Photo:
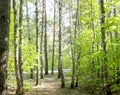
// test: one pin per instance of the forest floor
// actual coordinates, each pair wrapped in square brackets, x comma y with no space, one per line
[51,85]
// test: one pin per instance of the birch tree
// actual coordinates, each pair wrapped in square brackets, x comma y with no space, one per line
[54,25]
[19,89]
[103,38]
[21,41]
[60,51]
[29,35]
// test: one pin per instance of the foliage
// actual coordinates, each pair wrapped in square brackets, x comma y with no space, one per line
[88,42]
[30,56]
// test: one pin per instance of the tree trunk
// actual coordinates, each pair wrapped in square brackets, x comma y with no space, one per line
[74,49]
[117,54]
[21,42]
[103,38]
[29,37]
[77,69]
[45,37]
[60,53]
[53,52]
[98,61]
[41,47]
[103,45]
[37,46]
[4,40]
[93,38]
[19,89]
[71,37]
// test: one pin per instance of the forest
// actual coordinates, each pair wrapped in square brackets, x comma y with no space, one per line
[59,47]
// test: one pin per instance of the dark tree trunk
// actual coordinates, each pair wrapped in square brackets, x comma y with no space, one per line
[53,52]
[4,39]
[93,39]
[77,69]
[21,42]
[29,37]
[103,38]
[37,46]
[45,37]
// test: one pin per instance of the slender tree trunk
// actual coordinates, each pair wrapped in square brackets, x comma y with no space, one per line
[41,55]
[59,39]
[53,52]
[98,61]
[29,37]
[71,37]
[37,46]
[41,47]
[21,42]
[74,49]
[19,90]
[117,62]
[60,53]
[78,54]
[103,38]
[77,69]
[93,39]
[4,40]
[45,37]
[117,54]
[28,22]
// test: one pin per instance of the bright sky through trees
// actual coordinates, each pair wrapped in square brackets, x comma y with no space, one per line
[49,9]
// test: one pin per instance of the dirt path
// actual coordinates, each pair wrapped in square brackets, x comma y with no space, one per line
[50,86]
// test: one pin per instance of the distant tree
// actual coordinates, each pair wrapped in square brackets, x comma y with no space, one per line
[29,36]
[41,45]
[45,37]
[53,52]
[92,25]
[4,39]
[37,45]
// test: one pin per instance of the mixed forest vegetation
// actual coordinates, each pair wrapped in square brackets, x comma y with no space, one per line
[72,44]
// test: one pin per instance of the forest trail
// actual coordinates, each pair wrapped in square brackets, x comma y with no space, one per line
[51,85]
